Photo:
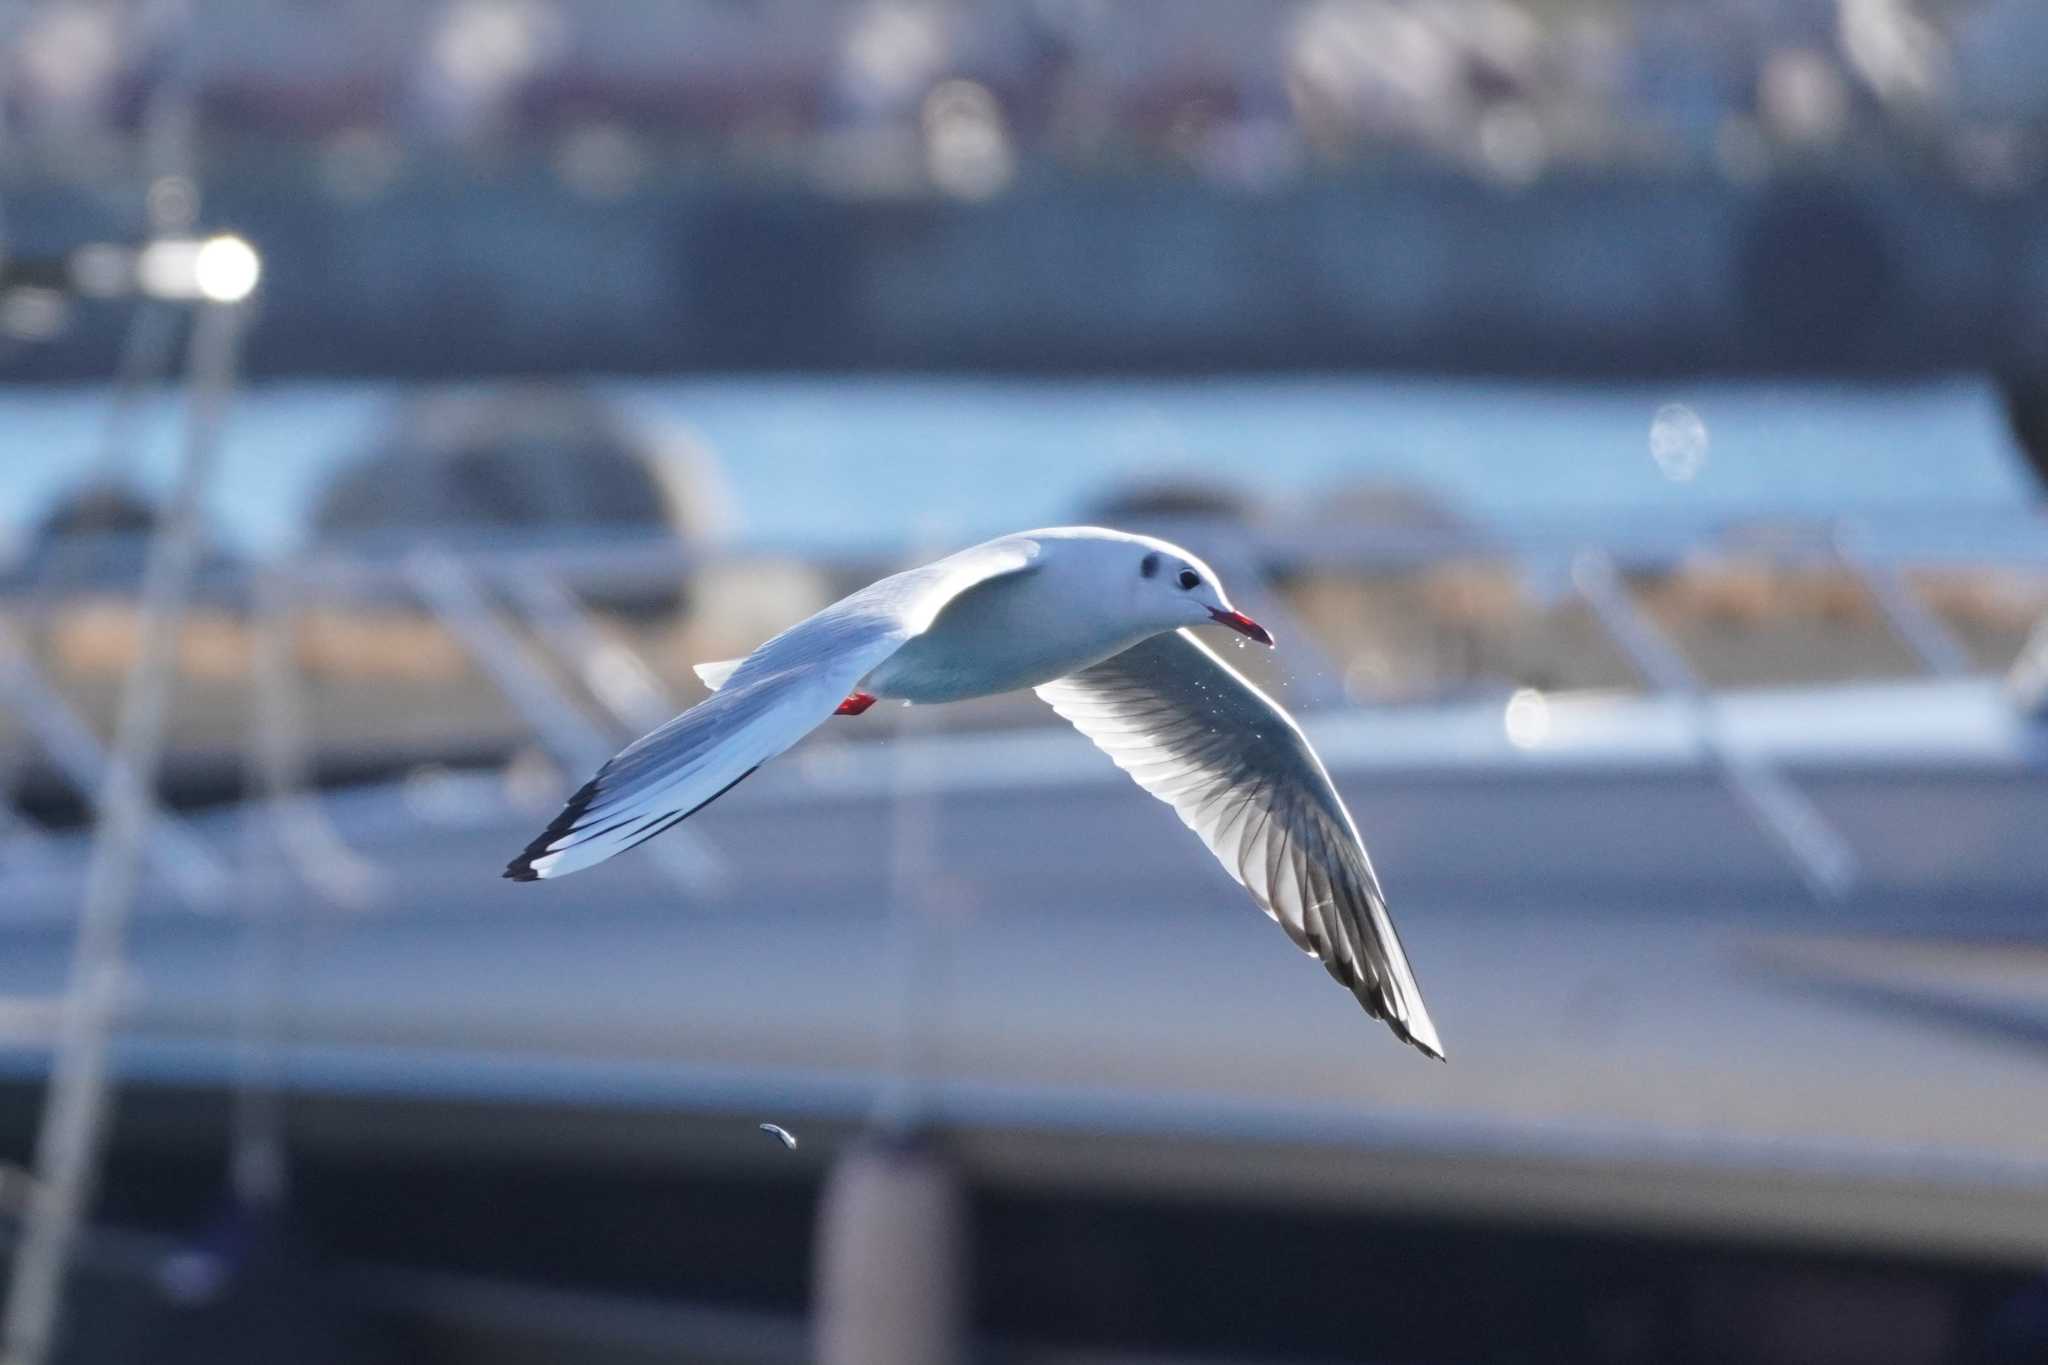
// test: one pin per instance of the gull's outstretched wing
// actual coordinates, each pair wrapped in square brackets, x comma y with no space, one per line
[1239,772]
[776,696]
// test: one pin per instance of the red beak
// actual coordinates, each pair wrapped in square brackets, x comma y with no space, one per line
[1242,624]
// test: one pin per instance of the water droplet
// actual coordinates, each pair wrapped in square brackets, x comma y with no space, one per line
[1678,442]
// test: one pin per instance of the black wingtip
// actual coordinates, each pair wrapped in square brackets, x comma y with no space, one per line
[1406,1035]
[1380,1004]
[1426,1049]
[520,869]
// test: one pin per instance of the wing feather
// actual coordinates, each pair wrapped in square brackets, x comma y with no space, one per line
[1239,772]
[763,704]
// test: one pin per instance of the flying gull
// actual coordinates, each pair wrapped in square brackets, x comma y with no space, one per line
[1096,621]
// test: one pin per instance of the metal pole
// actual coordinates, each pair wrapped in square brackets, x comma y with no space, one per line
[257,1167]
[303,837]
[893,1239]
[77,1106]
[150,344]
[917,957]
[912,929]
[892,1258]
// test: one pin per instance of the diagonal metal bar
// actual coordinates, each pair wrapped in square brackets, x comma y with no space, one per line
[457,600]
[188,865]
[1923,632]
[613,673]
[1817,851]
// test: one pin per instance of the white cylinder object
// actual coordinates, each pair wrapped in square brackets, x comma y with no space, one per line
[892,1249]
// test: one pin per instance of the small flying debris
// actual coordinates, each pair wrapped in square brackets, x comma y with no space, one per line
[778,1131]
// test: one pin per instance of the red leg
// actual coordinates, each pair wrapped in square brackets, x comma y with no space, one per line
[855,704]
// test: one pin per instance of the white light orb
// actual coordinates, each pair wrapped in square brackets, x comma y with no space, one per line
[225,269]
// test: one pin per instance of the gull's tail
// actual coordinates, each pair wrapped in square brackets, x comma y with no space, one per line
[713,676]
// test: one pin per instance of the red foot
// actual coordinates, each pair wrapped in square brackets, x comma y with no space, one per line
[855,704]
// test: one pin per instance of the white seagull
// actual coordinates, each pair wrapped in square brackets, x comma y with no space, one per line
[1095,621]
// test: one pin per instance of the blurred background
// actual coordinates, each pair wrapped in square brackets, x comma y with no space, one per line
[1630,415]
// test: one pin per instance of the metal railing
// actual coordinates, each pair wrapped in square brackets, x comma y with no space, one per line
[518,614]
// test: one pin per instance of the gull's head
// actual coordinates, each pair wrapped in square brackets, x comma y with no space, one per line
[1162,585]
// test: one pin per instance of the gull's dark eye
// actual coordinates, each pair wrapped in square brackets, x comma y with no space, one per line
[1190,579]
[1149,565]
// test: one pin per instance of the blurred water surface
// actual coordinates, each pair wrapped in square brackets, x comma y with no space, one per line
[851,462]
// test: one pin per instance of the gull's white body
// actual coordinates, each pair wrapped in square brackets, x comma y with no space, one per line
[1020,629]
[1093,619]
